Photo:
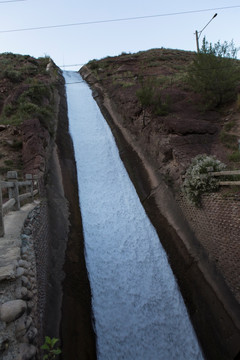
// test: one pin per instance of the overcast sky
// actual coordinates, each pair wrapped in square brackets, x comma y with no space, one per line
[78,44]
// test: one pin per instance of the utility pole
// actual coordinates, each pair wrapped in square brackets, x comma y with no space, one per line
[197,38]
[198,34]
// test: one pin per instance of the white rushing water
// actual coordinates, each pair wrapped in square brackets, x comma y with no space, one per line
[138,309]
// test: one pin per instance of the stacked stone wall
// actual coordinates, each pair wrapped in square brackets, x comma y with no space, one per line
[23,301]
[19,301]
[216,224]
[41,236]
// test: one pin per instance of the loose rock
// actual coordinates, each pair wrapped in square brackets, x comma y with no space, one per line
[20,271]
[26,351]
[29,295]
[22,326]
[28,231]
[26,283]
[30,335]
[25,264]
[21,293]
[12,310]
[4,343]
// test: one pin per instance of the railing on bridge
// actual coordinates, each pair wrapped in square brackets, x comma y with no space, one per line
[15,196]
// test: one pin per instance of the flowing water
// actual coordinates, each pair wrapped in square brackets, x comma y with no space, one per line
[138,309]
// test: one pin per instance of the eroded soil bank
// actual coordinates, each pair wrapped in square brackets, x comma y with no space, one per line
[213,310]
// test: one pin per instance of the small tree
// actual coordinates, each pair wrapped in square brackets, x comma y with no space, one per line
[198,180]
[150,95]
[214,73]
[145,96]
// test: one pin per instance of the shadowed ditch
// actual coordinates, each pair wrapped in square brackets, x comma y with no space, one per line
[78,339]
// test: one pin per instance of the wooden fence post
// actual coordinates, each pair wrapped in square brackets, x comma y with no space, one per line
[1,214]
[29,188]
[37,179]
[14,192]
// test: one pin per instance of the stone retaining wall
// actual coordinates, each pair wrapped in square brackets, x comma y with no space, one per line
[216,225]
[18,310]
[41,235]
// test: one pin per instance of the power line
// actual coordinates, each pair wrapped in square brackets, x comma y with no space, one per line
[209,68]
[116,20]
[10,1]
[71,65]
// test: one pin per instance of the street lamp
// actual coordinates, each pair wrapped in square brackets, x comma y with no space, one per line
[198,33]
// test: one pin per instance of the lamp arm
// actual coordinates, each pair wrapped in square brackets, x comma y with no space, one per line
[200,32]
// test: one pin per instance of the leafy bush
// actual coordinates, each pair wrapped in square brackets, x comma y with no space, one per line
[235,156]
[13,75]
[145,93]
[37,92]
[150,95]
[229,125]
[161,106]
[229,140]
[93,64]
[214,73]
[49,347]
[198,180]
[8,162]
[36,101]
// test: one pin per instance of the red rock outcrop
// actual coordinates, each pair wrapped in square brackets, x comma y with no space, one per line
[36,141]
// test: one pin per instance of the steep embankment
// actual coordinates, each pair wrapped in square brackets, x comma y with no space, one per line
[34,139]
[155,151]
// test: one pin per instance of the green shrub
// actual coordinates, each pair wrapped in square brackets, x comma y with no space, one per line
[8,162]
[214,73]
[9,109]
[127,84]
[198,180]
[229,125]
[161,106]
[50,349]
[145,93]
[93,64]
[13,75]
[37,92]
[150,94]
[229,140]
[29,108]
[36,101]
[4,170]
[235,156]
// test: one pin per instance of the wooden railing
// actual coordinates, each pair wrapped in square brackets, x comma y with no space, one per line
[14,198]
[226,173]
[222,173]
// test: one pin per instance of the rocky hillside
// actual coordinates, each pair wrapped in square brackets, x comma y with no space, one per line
[28,105]
[172,126]
[34,138]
